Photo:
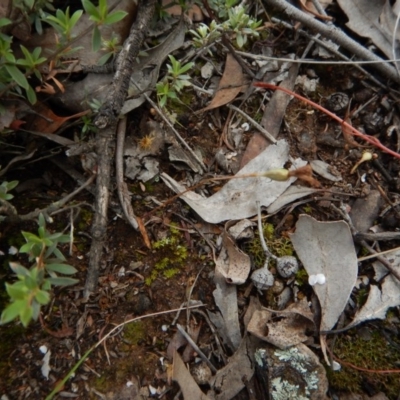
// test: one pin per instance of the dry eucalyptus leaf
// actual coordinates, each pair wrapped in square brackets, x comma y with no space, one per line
[228,381]
[237,199]
[364,19]
[225,297]
[327,248]
[380,300]
[232,263]
[323,169]
[188,385]
[230,85]
[288,330]
[291,194]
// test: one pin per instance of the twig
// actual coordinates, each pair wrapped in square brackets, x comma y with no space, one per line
[254,123]
[122,188]
[378,254]
[196,348]
[106,121]
[349,128]
[111,109]
[180,138]
[336,35]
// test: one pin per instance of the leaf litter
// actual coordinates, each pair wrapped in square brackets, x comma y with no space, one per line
[272,340]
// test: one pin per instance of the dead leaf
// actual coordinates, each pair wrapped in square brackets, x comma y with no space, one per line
[327,248]
[230,85]
[225,297]
[324,169]
[46,121]
[228,381]
[188,385]
[232,263]
[380,299]
[143,231]
[364,19]
[291,194]
[237,199]
[309,7]
[288,330]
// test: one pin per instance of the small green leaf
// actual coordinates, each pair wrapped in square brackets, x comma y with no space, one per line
[115,17]
[11,185]
[35,310]
[31,237]
[12,311]
[27,54]
[240,40]
[96,39]
[91,9]
[103,9]
[186,68]
[104,59]
[62,281]
[4,22]
[15,291]
[25,314]
[42,297]
[75,18]
[27,247]
[62,268]
[18,76]
[19,269]
[31,95]
[29,3]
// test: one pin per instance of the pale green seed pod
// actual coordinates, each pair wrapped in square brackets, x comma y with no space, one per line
[278,174]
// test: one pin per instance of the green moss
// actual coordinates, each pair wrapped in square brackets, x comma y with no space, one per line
[135,332]
[85,219]
[171,255]
[278,246]
[374,354]
[301,277]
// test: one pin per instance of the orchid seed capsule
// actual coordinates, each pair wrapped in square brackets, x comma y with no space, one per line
[279,174]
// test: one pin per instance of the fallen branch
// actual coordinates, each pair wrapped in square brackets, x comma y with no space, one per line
[349,128]
[106,121]
[123,192]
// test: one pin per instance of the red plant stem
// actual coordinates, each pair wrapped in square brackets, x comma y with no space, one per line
[370,139]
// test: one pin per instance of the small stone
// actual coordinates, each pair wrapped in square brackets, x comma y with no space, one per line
[337,101]
[262,278]
[287,266]
[201,373]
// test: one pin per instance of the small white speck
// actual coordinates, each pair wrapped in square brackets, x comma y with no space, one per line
[129,384]
[153,390]
[318,278]
[336,366]
[245,126]
[13,250]
[164,328]
[43,349]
